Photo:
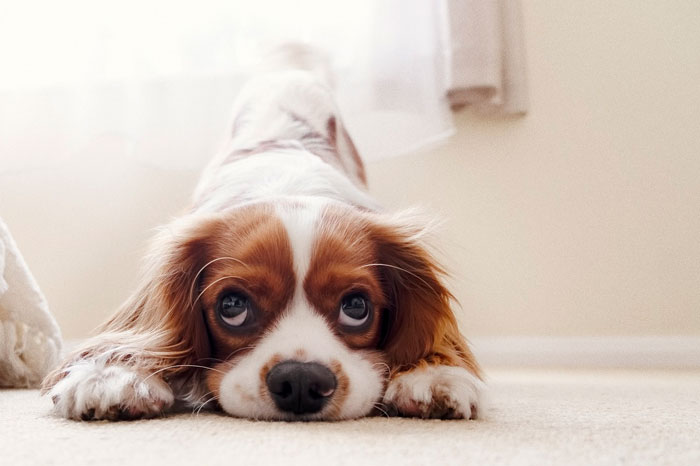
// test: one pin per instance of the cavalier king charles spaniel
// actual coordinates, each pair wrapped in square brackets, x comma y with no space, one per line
[284,292]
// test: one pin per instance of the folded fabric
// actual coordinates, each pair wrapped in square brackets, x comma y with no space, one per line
[30,340]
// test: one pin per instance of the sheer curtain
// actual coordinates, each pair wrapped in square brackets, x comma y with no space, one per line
[158,77]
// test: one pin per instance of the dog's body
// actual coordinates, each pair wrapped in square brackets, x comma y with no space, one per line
[285,292]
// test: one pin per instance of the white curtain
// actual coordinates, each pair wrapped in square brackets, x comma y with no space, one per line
[158,77]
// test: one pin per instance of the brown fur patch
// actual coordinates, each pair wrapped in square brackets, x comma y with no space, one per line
[341,390]
[272,362]
[339,267]
[344,143]
[255,259]
[359,166]
[358,250]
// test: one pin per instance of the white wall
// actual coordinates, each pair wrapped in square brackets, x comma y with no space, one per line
[581,219]
[584,217]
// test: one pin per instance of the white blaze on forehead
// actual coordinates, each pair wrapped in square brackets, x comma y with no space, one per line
[301,222]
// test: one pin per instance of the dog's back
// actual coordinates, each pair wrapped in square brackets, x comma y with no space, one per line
[286,132]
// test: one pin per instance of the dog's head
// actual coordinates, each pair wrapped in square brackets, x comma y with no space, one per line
[300,310]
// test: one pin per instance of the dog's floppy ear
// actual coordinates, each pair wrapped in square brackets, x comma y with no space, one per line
[420,323]
[159,328]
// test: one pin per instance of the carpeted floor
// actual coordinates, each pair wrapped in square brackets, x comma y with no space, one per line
[537,417]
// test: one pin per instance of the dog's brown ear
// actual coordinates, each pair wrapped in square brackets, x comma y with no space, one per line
[420,323]
[160,327]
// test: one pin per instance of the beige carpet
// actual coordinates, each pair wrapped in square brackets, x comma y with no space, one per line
[537,417]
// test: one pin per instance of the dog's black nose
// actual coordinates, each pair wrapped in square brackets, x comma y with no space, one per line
[300,387]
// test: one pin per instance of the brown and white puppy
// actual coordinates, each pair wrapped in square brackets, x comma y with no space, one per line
[285,292]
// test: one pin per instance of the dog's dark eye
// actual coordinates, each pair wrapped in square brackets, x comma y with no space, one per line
[354,310]
[234,309]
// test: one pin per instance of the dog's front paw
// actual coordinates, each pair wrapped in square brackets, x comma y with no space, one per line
[434,391]
[92,391]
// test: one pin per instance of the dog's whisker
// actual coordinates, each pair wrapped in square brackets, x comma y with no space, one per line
[415,275]
[196,403]
[199,272]
[210,359]
[176,366]
[199,410]
[226,360]
[212,284]
[386,366]
[380,407]
[238,350]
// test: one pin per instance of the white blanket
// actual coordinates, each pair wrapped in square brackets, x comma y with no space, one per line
[30,340]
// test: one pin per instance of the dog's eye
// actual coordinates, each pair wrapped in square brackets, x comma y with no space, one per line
[354,310]
[234,309]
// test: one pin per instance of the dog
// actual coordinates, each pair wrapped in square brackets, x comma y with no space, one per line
[284,292]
